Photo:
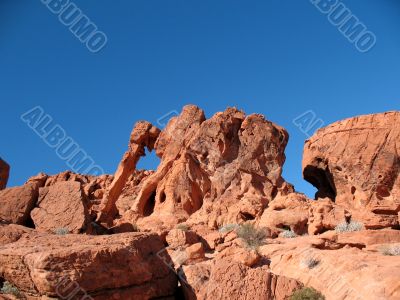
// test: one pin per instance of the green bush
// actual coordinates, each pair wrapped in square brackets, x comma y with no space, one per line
[253,237]
[307,293]
[9,289]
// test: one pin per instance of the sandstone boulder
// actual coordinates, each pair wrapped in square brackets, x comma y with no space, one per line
[325,215]
[4,173]
[123,266]
[286,212]
[16,203]
[223,279]
[178,238]
[195,252]
[61,205]
[12,233]
[356,163]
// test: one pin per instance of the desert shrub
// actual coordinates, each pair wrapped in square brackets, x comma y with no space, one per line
[288,234]
[228,227]
[61,231]
[310,262]
[390,250]
[182,226]
[348,227]
[306,293]
[9,289]
[253,237]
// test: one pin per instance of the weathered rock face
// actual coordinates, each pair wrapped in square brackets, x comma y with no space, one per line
[16,203]
[287,212]
[325,215]
[123,266]
[223,279]
[131,189]
[356,163]
[143,135]
[12,233]
[61,205]
[4,173]
[220,170]
[178,238]
[345,267]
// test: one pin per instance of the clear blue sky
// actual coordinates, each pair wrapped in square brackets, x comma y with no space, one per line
[279,58]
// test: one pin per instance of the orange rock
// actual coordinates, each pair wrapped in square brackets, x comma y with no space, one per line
[224,279]
[213,239]
[61,205]
[345,273]
[178,238]
[217,171]
[12,233]
[284,212]
[243,255]
[131,189]
[4,173]
[195,251]
[325,215]
[123,266]
[16,203]
[355,163]
[143,135]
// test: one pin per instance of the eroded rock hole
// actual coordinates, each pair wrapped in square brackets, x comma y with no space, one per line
[322,179]
[246,216]
[162,197]
[150,204]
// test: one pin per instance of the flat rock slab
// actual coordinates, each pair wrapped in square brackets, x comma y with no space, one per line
[122,265]
[62,205]
[16,203]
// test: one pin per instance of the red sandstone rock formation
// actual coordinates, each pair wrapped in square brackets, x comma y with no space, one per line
[143,135]
[4,172]
[62,205]
[345,268]
[224,169]
[123,266]
[16,203]
[356,163]
[286,212]
[12,233]
[225,280]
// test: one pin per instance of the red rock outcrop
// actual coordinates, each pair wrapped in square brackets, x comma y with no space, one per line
[12,233]
[123,266]
[339,266]
[325,215]
[4,173]
[221,170]
[16,203]
[214,174]
[356,163]
[61,205]
[143,135]
[286,212]
[223,279]
[131,189]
